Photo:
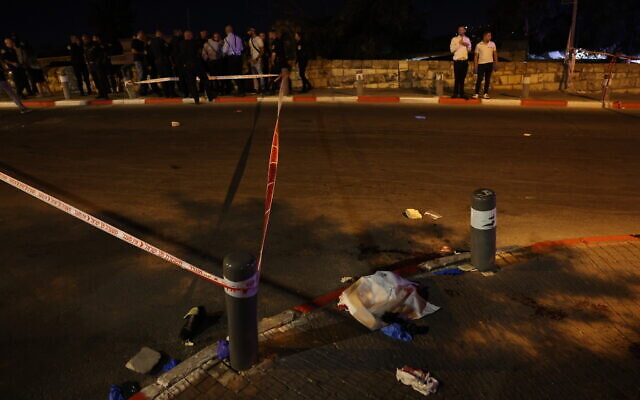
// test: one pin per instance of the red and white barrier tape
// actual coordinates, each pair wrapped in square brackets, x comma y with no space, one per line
[247,286]
[213,78]
[272,173]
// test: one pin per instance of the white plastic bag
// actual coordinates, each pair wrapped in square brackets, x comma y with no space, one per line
[370,297]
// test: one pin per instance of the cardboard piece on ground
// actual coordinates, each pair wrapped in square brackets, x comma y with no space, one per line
[144,361]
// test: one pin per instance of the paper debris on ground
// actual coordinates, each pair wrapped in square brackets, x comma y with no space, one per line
[526,134]
[412,213]
[467,268]
[372,296]
[421,117]
[421,381]
[144,361]
[175,123]
[346,279]
[488,273]
[432,214]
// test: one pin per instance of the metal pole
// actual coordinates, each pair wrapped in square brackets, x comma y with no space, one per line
[439,84]
[64,81]
[242,315]
[483,229]
[568,55]
[359,84]
[284,73]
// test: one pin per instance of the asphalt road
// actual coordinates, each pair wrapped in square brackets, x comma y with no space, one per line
[76,303]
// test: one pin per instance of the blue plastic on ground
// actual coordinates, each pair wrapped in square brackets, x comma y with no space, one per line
[449,271]
[169,365]
[421,117]
[223,349]
[115,393]
[395,331]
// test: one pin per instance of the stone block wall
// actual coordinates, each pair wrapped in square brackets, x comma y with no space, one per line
[390,74]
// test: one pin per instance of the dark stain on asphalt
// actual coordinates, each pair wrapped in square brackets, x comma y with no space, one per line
[634,349]
[540,310]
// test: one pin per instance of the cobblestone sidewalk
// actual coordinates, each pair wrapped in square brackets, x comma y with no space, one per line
[558,321]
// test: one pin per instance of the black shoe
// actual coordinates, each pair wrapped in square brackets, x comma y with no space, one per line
[455,96]
[464,97]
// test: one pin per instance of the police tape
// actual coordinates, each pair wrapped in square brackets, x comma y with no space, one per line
[248,286]
[212,78]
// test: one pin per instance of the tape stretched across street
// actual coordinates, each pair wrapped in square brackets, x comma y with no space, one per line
[212,78]
[132,240]
[247,287]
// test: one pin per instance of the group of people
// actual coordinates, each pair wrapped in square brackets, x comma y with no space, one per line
[18,59]
[485,61]
[192,60]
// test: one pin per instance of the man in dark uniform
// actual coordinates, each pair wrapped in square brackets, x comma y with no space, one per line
[278,59]
[174,53]
[301,60]
[6,87]
[97,60]
[190,57]
[159,51]
[10,57]
[79,64]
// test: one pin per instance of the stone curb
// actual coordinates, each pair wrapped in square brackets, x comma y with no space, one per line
[341,99]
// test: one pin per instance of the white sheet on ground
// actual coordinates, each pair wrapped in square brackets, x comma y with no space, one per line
[370,297]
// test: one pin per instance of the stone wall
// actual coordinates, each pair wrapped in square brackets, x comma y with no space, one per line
[390,74]
[394,74]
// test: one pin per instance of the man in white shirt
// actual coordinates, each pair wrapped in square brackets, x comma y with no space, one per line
[485,62]
[256,47]
[232,51]
[460,47]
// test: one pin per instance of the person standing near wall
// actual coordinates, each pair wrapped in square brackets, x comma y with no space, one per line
[212,54]
[232,51]
[302,59]
[159,50]
[485,62]
[6,87]
[190,57]
[80,70]
[97,61]
[138,51]
[256,47]
[460,47]
[18,71]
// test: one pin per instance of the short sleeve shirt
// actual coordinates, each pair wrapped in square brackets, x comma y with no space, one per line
[485,52]
[255,44]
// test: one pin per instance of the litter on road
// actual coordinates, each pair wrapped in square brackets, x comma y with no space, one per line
[432,214]
[412,213]
[194,320]
[175,124]
[421,381]
[169,365]
[396,331]
[124,391]
[222,350]
[144,361]
[449,271]
[421,117]
[373,296]
[346,279]
[526,134]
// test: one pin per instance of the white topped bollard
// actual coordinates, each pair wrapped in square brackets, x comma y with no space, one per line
[483,230]
[64,82]
[439,84]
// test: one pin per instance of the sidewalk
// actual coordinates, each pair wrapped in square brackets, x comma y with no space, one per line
[499,98]
[560,320]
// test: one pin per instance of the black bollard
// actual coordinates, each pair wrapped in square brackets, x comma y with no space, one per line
[483,230]
[242,312]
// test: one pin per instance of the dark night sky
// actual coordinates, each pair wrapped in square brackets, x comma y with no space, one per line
[42,22]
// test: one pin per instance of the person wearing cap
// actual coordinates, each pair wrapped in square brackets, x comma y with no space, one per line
[485,62]
[232,50]
[256,48]
[6,87]
[460,47]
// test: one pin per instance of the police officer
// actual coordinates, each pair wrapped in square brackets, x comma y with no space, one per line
[302,60]
[159,52]
[174,53]
[278,59]
[80,70]
[97,60]
[12,59]
[190,58]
